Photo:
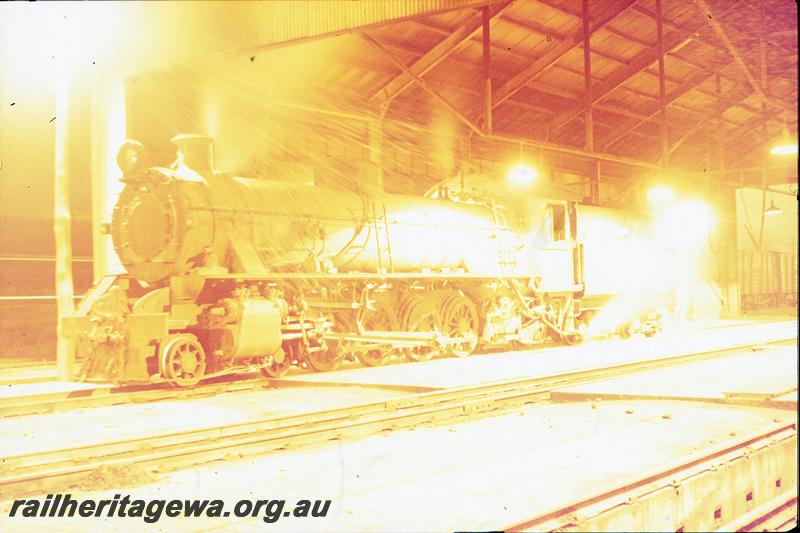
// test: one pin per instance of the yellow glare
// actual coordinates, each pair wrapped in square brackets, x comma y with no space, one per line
[39,41]
[784,149]
[660,195]
[522,174]
[685,224]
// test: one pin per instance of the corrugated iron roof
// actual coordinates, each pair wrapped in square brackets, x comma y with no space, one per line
[532,33]
[537,68]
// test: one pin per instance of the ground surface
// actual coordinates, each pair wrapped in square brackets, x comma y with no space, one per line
[476,473]
[480,475]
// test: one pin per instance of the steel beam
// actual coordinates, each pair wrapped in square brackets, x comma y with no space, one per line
[727,256]
[720,122]
[722,35]
[782,33]
[487,70]
[644,59]
[465,120]
[475,130]
[587,77]
[434,56]
[554,53]
[433,92]
[745,130]
[762,64]
[689,84]
[662,90]
[728,101]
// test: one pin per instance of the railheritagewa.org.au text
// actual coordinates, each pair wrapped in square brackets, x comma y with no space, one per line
[151,511]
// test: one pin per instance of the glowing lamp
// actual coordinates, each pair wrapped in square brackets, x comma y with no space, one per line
[772,209]
[522,174]
[685,224]
[697,214]
[659,195]
[784,149]
[787,145]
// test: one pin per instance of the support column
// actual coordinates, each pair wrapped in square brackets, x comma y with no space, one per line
[662,91]
[108,134]
[487,70]
[62,227]
[594,183]
[728,256]
[587,79]
[762,60]
[376,152]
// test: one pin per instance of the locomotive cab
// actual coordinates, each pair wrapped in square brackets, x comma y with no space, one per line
[559,257]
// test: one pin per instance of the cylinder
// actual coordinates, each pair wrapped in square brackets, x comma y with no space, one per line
[257,334]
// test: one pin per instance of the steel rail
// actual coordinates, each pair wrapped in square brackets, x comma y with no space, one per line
[50,402]
[42,471]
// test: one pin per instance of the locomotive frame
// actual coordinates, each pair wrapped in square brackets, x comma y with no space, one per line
[198,300]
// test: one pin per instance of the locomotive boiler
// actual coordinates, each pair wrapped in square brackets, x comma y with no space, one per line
[227,273]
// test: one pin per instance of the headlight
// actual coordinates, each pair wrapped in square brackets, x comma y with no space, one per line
[131,157]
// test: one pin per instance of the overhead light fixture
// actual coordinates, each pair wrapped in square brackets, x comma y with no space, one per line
[659,195]
[784,149]
[522,174]
[772,209]
[787,145]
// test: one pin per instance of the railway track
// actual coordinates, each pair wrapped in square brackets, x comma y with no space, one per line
[49,402]
[59,401]
[43,471]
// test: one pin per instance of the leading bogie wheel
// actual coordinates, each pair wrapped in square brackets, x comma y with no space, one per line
[183,360]
[274,368]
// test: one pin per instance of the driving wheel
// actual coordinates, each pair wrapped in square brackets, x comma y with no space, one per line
[378,320]
[460,320]
[325,357]
[419,314]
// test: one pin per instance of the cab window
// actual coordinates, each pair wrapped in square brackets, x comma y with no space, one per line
[556,218]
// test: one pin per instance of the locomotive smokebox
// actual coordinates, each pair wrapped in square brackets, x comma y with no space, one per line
[196,151]
[162,224]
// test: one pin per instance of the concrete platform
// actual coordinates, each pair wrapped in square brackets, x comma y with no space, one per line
[453,372]
[26,434]
[29,374]
[481,475]
[10,391]
[754,378]
[350,387]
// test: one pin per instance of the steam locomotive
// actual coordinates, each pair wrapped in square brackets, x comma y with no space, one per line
[225,273]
